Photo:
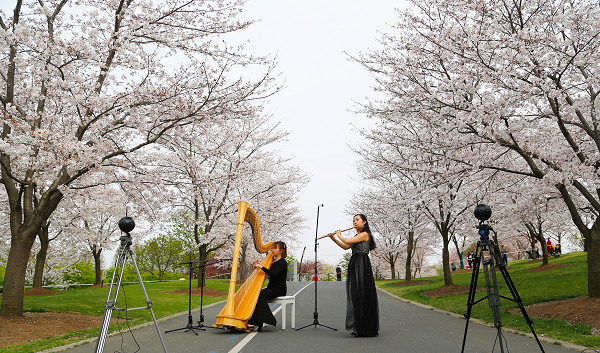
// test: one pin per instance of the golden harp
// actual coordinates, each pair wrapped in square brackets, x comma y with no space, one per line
[240,305]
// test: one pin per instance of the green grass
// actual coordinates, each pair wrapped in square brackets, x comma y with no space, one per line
[91,301]
[533,287]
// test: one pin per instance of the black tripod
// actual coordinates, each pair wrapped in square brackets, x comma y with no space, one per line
[315,279]
[489,246]
[190,325]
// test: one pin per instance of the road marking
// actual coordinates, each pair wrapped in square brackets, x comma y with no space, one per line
[251,335]
[241,345]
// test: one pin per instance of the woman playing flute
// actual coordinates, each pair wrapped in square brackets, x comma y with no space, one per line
[362,308]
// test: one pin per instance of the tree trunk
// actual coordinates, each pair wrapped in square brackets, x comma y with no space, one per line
[14,277]
[25,224]
[409,251]
[593,258]
[40,258]
[538,234]
[458,252]
[393,266]
[97,264]
[446,255]
[592,242]
[243,267]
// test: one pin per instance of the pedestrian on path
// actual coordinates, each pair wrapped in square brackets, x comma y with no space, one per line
[362,308]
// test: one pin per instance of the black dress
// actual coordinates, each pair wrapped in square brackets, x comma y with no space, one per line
[277,287]
[362,311]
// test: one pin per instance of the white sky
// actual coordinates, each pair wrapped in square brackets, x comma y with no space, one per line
[309,39]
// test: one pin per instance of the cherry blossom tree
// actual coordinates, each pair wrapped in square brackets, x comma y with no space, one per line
[88,86]
[508,86]
[210,167]
[93,218]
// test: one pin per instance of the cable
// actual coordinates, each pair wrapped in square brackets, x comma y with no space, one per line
[128,327]
[501,337]
[590,350]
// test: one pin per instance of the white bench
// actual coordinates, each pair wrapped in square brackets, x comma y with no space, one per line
[285,300]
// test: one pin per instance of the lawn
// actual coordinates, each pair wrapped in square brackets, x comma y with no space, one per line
[533,287]
[91,301]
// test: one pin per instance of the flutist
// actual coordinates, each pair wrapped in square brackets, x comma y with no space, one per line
[362,308]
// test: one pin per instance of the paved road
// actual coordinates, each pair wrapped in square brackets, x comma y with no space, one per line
[405,327]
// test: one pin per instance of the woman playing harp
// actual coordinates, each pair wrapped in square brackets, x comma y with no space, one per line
[277,286]
[241,303]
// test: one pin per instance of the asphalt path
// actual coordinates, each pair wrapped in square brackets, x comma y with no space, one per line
[404,327]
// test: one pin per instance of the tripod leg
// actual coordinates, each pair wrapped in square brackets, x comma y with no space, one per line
[147,299]
[111,298]
[491,282]
[517,299]
[472,290]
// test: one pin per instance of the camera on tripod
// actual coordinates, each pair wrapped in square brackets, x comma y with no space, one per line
[488,255]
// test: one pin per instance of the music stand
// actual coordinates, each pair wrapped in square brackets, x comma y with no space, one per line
[316,312]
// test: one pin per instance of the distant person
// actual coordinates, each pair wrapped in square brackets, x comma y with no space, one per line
[338,273]
[549,246]
[470,259]
[362,306]
[504,256]
[529,254]
[557,251]
[453,266]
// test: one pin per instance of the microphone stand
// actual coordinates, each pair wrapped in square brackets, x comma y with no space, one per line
[201,322]
[316,313]
[190,325]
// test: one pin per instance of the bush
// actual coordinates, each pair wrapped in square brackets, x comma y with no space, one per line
[83,272]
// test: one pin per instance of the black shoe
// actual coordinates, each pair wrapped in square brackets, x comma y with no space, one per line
[353,333]
[260,326]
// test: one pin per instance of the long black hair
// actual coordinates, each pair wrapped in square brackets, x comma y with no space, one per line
[367,229]
[281,246]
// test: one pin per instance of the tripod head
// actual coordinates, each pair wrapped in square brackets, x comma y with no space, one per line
[484,231]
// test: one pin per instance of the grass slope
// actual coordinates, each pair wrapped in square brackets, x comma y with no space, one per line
[91,301]
[533,287]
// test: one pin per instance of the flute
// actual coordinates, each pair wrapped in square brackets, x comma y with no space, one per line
[326,235]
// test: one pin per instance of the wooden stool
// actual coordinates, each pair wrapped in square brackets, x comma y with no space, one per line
[285,300]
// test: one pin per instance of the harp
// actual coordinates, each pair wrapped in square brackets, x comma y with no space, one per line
[240,305]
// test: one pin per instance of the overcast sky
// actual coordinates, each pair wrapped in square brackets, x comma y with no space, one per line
[309,38]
